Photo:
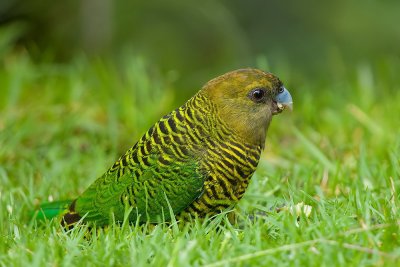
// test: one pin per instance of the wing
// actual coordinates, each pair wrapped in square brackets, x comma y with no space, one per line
[160,171]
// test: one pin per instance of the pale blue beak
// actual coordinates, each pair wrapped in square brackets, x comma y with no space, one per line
[284,100]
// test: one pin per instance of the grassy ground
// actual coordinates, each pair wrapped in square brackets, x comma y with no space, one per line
[61,126]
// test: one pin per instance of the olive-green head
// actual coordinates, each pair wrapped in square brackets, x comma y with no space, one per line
[246,100]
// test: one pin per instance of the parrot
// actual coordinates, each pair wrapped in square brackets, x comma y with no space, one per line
[196,161]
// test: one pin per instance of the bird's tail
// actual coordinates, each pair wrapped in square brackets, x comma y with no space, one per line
[50,210]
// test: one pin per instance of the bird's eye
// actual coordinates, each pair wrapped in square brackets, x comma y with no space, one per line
[257,94]
[281,89]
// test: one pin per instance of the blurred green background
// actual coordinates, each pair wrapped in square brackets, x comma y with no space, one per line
[192,41]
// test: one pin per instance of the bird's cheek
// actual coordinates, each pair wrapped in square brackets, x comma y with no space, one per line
[265,116]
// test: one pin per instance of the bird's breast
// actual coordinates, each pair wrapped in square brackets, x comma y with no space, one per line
[228,167]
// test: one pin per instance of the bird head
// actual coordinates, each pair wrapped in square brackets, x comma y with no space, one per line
[246,100]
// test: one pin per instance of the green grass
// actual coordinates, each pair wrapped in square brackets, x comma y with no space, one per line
[61,126]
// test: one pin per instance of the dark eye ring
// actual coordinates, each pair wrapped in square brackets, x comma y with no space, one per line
[257,94]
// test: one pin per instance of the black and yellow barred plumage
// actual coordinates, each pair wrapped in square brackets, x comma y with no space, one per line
[197,160]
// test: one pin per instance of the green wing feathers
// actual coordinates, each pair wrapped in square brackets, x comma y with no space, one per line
[150,195]
[159,172]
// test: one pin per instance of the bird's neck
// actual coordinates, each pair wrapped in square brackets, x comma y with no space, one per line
[220,127]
